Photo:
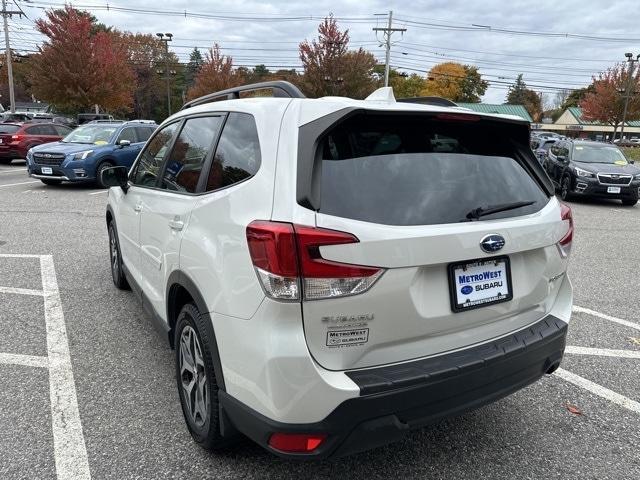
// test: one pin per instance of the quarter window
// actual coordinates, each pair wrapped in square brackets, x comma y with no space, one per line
[192,147]
[238,154]
[148,166]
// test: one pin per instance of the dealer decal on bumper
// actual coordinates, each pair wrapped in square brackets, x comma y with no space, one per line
[341,338]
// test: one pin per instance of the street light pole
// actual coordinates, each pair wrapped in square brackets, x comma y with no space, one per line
[166,38]
[628,90]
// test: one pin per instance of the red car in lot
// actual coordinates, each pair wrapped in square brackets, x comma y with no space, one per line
[17,138]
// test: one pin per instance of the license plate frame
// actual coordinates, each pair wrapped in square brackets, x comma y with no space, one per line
[454,285]
[613,189]
[46,170]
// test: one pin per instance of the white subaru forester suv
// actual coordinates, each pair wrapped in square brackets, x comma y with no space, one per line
[334,272]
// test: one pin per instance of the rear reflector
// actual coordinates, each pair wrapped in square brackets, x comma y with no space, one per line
[564,245]
[296,442]
[287,258]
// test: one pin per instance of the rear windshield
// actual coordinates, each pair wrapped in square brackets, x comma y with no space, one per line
[420,171]
[9,128]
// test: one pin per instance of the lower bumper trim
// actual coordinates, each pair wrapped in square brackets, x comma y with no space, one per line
[387,409]
[50,177]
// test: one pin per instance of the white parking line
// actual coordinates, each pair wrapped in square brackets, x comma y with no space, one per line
[68,441]
[598,390]
[24,360]
[16,184]
[21,291]
[98,192]
[19,170]
[19,255]
[620,321]
[602,352]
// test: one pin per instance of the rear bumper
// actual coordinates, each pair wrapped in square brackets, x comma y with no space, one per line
[399,398]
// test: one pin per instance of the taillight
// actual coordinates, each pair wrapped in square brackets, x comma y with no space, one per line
[287,259]
[17,138]
[296,442]
[564,245]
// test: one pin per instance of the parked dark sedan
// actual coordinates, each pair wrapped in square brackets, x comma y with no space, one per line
[579,167]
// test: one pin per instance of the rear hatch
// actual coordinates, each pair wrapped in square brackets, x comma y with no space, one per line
[417,192]
[7,130]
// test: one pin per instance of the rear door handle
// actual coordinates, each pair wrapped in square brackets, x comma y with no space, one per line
[176,225]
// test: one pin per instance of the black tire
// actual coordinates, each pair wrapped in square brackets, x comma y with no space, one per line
[115,260]
[50,181]
[565,188]
[5,161]
[101,167]
[204,428]
[629,202]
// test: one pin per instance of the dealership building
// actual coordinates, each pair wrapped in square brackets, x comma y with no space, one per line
[570,123]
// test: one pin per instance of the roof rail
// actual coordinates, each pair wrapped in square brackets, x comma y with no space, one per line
[438,101]
[280,89]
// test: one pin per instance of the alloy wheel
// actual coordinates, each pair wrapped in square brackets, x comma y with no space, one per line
[193,378]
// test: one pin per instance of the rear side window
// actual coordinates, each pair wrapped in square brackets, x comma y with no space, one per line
[409,170]
[144,133]
[238,154]
[40,130]
[195,142]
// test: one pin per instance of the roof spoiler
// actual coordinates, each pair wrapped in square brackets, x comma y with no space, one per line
[280,88]
[437,101]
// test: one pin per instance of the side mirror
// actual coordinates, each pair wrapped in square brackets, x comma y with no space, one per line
[124,143]
[115,177]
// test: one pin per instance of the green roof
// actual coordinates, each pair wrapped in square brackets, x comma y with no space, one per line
[577,113]
[517,110]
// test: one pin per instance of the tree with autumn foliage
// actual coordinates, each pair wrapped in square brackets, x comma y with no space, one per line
[330,68]
[216,73]
[457,82]
[605,103]
[80,64]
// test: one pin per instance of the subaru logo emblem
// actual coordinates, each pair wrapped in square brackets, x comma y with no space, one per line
[492,243]
[466,290]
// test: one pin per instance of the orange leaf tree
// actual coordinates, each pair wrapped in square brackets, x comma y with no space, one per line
[330,68]
[80,65]
[605,103]
[216,73]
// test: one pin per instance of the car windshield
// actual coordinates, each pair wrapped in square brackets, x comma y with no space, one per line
[91,134]
[598,154]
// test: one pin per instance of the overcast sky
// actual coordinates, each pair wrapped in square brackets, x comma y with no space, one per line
[437,30]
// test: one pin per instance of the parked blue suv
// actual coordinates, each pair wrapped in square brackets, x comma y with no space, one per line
[89,149]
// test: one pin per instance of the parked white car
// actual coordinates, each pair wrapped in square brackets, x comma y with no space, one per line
[334,272]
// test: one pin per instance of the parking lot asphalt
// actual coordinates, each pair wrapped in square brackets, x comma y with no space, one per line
[583,423]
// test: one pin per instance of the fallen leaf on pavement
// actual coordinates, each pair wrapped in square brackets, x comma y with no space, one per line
[573,409]
[635,340]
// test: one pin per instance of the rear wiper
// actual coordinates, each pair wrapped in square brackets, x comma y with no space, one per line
[476,213]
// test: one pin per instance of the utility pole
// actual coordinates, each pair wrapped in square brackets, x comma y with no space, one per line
[629,90]
[388,31]
[166,38]
[7,49]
